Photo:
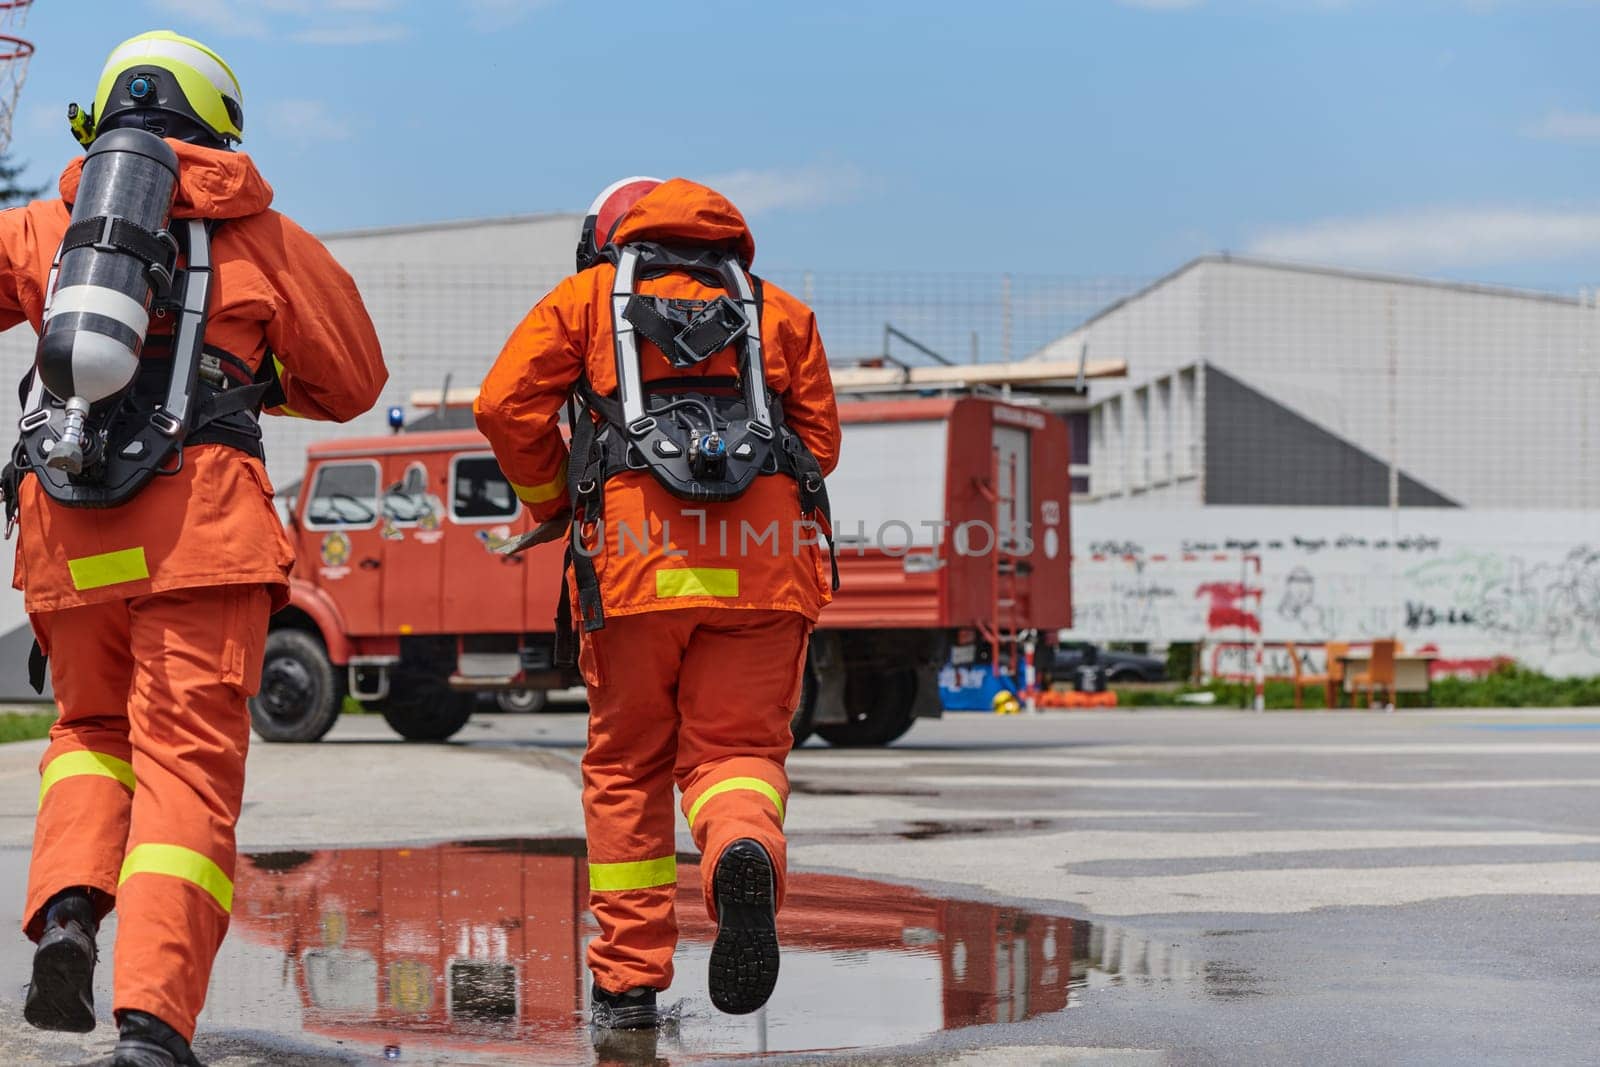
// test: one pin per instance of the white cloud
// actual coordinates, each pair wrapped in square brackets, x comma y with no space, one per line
[355,33]
[302,20]
[1566,126]
[756,192]
[304,121]
[1441,238]
[498,14]
[214,16]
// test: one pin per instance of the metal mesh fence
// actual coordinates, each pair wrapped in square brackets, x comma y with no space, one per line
[1405,457]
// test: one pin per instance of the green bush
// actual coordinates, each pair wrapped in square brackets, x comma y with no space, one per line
[1509,686]
[25,725]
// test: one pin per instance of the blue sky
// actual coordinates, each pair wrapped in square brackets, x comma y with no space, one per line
[1458,138]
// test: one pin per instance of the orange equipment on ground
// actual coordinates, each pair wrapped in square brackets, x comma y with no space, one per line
[154,612]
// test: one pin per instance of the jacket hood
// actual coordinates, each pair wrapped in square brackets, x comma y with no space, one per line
[211,184]
[684,210]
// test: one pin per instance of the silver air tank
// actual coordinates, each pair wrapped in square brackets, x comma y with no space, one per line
[99,307]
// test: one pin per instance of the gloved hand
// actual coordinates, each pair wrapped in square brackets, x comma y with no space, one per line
[549,530]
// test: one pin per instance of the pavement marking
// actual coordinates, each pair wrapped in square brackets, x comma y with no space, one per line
[970,861]
[1404,748]
[805,760]
[990,781]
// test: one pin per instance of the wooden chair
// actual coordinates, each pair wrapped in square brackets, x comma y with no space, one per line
[1334,652]
[1302,679]
[1378,675]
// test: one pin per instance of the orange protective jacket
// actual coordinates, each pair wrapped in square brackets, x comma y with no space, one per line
[277,293]
[720,559]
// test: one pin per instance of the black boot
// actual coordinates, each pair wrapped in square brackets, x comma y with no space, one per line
[61,994]
[632,1010]
[145,1041]
[744,959]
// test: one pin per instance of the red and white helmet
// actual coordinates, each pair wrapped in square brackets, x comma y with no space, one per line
[607,210]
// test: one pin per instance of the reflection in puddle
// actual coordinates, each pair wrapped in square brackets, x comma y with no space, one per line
[475,950]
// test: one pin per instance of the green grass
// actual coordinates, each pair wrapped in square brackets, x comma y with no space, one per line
[1511,686]
[25,725]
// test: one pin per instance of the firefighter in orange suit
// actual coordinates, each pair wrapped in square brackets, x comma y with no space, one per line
[153,613]
[694,644]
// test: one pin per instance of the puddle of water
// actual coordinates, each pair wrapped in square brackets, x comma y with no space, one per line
[475,951]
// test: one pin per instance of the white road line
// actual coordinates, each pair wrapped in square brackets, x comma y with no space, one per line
[991,781]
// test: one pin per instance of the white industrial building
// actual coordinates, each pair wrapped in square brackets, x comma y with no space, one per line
[1253,382]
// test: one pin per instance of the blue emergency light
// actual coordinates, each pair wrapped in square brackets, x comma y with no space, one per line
[397,418]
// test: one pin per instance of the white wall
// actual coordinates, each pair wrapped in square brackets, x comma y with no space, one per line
[1474,584]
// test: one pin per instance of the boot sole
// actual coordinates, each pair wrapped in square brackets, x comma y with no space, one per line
[744,958]
[61,995]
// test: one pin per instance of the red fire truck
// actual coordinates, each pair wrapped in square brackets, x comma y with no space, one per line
[953,540]
[479,948]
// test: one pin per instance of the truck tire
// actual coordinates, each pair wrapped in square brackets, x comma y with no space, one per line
[301,693]
[800,724]
[881,706]
[521,701]
[425,711]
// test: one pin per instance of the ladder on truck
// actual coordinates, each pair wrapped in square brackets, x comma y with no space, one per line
[1006,656]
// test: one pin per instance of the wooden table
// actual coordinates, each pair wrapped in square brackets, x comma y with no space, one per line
[1412,671]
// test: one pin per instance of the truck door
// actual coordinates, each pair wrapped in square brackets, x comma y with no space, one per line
[413,534]
[341,521]
[483,590]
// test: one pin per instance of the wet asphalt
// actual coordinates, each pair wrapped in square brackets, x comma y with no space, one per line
[1192,887]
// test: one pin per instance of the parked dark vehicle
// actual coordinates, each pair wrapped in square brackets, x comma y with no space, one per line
[1117,668]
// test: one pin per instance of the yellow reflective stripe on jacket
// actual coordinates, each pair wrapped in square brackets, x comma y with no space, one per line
[108,568]
[697,581]
[175,861]
[283,409]
[645,874]
[84,763]
[728,785]
[538,494]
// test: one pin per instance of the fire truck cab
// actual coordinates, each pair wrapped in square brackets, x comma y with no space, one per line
[952,535]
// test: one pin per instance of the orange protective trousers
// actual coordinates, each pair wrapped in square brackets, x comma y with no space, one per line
[144,776]
[697,696]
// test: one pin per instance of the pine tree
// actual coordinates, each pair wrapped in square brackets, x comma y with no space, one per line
[12,192]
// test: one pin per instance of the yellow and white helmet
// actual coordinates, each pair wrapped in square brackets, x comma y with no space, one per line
[168,84]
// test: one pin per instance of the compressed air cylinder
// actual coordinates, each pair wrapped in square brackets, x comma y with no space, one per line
[99,310]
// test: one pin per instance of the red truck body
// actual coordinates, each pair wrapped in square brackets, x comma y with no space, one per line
[952,524]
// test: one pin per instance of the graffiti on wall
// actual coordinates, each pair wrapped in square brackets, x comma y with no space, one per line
[1481,586]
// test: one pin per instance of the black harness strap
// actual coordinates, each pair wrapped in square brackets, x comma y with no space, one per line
[112,233]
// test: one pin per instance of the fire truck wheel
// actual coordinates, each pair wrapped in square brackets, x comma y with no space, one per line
[881,708]
[301,693]
[800,724]
[426,712]
[519,701]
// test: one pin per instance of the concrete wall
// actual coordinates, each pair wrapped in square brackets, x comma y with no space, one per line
[1474,584]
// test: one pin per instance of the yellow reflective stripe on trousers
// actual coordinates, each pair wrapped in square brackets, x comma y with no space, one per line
[697,581]
[175,861]
[538,494]
[84,763]
[728,785]
[108,568]
[645,874]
